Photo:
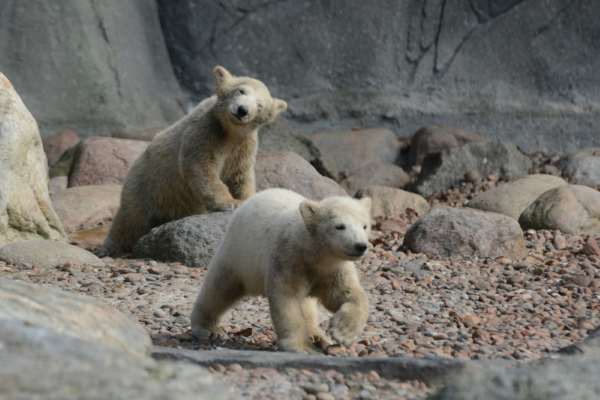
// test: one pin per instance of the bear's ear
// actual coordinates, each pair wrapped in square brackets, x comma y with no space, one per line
[221,76]
[308,211]
[279,106]
[366,203]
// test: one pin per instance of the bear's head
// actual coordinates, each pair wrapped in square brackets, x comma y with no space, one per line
[245,102]
[341,224]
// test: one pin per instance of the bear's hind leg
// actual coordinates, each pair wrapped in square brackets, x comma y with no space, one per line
[220,291]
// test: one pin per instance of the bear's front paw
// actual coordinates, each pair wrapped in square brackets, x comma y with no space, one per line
[204,334]
[235,203]
[298,346]
[344,328]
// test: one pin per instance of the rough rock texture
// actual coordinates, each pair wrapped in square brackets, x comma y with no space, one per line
[446,232]
[389,202]
[91,66]
[290,171]
[514,197]
[583,167]
[436,139]
[38,363]
[282,136]
[57,144]
[522,70]
[191,240]
[47,254]
[25,208]
[343,152]
[102,160]
[571,209]
[566,378]
[503,160]
[376,173]
[84,207]
[72,315]
[57,184]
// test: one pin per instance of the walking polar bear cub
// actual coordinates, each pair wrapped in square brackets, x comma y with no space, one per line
[204,162]
[294,251]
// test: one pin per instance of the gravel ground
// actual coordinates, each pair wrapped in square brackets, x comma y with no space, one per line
[420,306]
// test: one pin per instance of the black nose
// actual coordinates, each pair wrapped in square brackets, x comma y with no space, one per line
[241,112]
[360,247]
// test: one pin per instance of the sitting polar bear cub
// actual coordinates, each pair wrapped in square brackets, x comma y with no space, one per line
[294,251]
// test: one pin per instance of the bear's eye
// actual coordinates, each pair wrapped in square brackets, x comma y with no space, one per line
[340,227]
[365,227]
[241,91]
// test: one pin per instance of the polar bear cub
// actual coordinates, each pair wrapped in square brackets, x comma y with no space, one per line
[295,252]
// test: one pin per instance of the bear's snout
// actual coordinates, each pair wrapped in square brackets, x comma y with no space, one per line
[360,248]
[241,111]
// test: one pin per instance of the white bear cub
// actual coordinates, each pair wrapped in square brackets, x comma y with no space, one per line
[295,252]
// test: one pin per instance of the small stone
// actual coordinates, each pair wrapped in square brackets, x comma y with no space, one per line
[325,396]
[134,277]
[315,388]
[235,368]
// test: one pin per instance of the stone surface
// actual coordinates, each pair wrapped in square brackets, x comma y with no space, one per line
[583,167]
[95,67]
[503,160]
[191,240]
[523,71]
[84,207]
[290,171]
[103,160]
[25,208]
[376,173]
[72,315]
[389,202]
[566,378]
[57,184]
[47,254]
[55,145]
[343,152]
[282,136]
[514,197]
[436,139]
[570,209]
[446,232]
[40,363]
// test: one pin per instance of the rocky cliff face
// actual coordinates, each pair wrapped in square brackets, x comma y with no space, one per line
[524,70]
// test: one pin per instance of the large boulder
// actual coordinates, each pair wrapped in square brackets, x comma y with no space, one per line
[436,139]
[191,241]
[72,315]
[47,254]
[571,209]
[583,167]
[95,67]
[447,232]
[281,136]
[39,363]
[390,202]
[376,173]
[290,171]
[522,71]
[25,208]
[343,152]
[85,207]
[55,145]
[104,160]
[514,197]
[441,173]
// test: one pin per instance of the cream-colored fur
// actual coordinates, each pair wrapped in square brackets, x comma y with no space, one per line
[293,251]
[204,162]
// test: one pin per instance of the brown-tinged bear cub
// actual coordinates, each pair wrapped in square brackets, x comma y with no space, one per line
[295,252]
[204,162]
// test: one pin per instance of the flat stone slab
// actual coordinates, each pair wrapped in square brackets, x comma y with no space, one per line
[402,368]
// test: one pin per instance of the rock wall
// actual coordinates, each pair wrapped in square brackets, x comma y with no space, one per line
[523,70]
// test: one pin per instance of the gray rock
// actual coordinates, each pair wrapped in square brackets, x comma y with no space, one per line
[290,171]
[281,136]
[447,232]
[47,254]
[571,209]
[56,185]
[72,315]
[38,363]
[437,139]
[95,67]
[343,152]
[376,173]
[55,145]
[514,197]
[481,158]
[573,378]
[520,71]
[85,207]
[583,167]
[191,241]
[390,202]
[25,208]
[590,347]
